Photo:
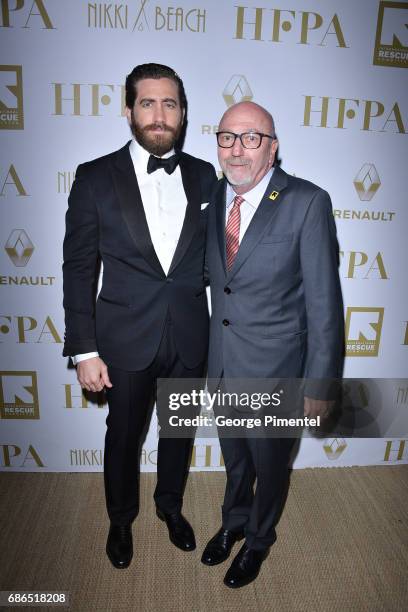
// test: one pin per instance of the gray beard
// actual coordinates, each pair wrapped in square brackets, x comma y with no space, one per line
[232,181]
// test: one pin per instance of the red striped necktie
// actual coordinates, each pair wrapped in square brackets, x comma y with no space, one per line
[232,231]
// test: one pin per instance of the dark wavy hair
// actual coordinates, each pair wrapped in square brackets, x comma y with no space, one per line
[152,71]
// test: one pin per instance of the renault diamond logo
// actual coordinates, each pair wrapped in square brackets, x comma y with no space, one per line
[19,395]
[11,98]
[367,182]
[237,90]
[19,248]
[363,331]
[391,41]
[334,448]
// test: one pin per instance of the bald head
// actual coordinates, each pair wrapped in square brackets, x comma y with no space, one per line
[246,166]
[250,112]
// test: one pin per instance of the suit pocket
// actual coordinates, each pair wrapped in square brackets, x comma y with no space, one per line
[276,238]
[284,337]
[113,301]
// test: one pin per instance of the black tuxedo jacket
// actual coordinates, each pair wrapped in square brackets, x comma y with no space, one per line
[106,220]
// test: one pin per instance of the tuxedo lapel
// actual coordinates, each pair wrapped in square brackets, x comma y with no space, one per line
[262,218]
[191,184]
[131,204]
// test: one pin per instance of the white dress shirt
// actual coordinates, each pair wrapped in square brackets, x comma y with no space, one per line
[252,199]
[164,202]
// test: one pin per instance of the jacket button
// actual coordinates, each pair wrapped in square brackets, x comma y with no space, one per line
[225,322]
[169,279]
[227,290]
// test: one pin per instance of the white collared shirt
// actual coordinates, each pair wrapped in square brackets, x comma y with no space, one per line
[164,203]
[252,199]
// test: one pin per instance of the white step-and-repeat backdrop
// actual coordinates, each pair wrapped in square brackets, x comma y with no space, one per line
[333,74]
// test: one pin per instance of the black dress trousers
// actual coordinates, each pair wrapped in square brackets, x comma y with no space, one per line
[130,403]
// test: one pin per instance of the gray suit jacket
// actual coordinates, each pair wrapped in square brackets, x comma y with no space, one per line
[278,312]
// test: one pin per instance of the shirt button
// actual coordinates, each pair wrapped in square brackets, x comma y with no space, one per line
[226,322]
[227,290]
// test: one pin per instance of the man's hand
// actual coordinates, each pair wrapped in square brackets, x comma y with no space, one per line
[315,408]
[92,374]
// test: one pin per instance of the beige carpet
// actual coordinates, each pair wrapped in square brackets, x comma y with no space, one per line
[342,545]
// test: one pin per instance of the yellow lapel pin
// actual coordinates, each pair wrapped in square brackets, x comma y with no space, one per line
[273,195]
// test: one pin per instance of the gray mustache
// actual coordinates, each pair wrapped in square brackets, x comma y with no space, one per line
[238,162]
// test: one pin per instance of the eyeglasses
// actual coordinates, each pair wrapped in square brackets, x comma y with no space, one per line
[249,140]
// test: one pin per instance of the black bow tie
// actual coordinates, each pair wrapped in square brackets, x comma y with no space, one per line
[168,163]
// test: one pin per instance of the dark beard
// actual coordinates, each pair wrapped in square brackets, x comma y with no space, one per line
[157,144]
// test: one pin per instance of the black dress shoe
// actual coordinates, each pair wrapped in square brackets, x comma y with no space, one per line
[180,531]
[219,547]
[119,546]
[245,567]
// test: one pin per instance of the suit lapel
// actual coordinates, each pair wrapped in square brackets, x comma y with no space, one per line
[220,211]
[262,218]
[131,204]
[191,184]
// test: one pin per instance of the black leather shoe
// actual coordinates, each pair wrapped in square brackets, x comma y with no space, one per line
[180,531]
[119,546]
[219,547]
[245,567]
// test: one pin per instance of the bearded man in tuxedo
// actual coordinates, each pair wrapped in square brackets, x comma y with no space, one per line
[141,211]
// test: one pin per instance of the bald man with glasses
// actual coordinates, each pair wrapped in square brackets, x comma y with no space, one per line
[276,313]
